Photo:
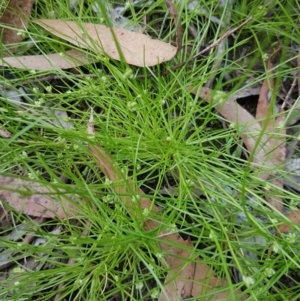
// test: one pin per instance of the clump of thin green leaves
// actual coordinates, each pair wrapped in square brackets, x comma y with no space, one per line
[178,150]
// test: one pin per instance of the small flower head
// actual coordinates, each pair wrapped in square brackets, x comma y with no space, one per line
[269,272]
[131,105]
[18,270]
[78,282]
[33,175]
[265,56]
[267,186]
[163,102]
[127,4]
[135,198]
[219,97]
[248,281]
[108,199]
[128,73]
[190,183]
[73,239]
[35,90]
[274,221]
[61,140]
[212,235]
[116,278]
[124,170]
[280,125]
[291,238]
[107,182]
[276,247]
[24,155]
[173,228]
[155,294]
[146,212]
[48,89]
[39,103]
[52,14]
[139,285]
[21,33]
[232,125]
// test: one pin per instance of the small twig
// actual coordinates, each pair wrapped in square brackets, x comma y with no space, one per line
[214,44]
[30,236]
[298,73]
[179,32]
[287,97]
[220,49]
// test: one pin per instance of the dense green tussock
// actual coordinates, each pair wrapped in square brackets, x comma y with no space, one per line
[187,159]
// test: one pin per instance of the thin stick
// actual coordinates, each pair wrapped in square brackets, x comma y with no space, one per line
[179,32]
[220,49]
[214,44]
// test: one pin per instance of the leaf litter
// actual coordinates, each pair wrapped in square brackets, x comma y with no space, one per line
[15,20]
[32,198]
[136,48]
[185,278]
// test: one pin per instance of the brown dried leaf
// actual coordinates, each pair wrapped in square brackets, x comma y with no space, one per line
[267,155]
[16,17]
[188,276]
[69,59]
[252,131]
[263,110]
[206,284]
[233,112]
[266,117]
[34,199]
[179,281]
[5,219]
[4,133]
[295,219]
[137,49]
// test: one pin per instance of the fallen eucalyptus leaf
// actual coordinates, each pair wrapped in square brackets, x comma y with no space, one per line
[53,61]
[137,49]
[34,199]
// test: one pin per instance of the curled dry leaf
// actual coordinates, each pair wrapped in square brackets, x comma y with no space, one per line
[268,151]
[34,199]
[179,281]
[295,219]
[251,131]
[4,133]
[137,49]
[68,59]
[271,123]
